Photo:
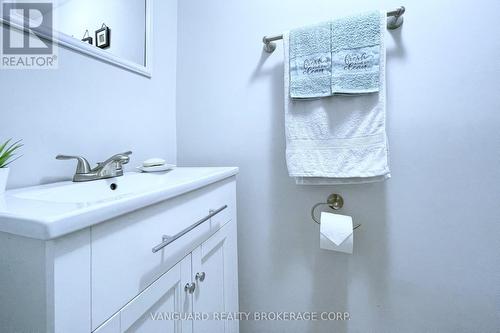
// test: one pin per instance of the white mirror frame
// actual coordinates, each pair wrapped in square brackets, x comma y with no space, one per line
[75,44]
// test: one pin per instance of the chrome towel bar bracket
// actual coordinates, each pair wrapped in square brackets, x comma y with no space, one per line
[394,21]
[395,18]
[335,202]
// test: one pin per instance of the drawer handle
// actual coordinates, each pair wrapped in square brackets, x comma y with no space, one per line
[190,287]
[167,240]
[200,276]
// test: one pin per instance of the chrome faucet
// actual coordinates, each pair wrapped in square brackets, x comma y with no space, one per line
[112,167]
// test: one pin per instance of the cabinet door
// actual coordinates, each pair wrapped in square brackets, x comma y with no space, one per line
[215,270]
[112,325]
[151,311]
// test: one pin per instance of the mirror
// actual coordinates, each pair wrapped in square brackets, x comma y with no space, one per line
[123,21]
[115,31]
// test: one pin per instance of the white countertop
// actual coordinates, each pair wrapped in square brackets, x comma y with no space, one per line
[49,211]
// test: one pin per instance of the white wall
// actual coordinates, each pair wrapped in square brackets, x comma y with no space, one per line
[427,256]
[91,108]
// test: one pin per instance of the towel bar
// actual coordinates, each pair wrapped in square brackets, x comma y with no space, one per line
[335,202]
[394,21]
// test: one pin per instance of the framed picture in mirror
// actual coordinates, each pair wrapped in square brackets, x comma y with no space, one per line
[102,37]
[87,39]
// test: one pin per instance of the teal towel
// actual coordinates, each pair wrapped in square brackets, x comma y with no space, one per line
[341,56]
[356,46]
[310,61]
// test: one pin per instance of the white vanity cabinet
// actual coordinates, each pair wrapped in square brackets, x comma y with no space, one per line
[106,277]
[214,263]
[166,296]
[204,282]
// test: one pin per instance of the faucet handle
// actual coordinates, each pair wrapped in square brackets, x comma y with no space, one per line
[127,154]
[124,158]
[83,165]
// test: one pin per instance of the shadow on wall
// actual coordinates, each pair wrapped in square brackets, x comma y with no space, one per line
[399,50]
[322,280]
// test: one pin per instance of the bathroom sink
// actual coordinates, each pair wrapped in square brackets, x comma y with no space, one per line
[50,211]
[95,192]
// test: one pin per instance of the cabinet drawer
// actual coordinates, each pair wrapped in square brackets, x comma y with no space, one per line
[123,263]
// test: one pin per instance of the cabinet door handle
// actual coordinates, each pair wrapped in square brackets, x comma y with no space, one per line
[167,240]
[200,276]
[190,287]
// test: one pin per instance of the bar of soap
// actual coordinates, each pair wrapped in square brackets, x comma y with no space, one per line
[153,162]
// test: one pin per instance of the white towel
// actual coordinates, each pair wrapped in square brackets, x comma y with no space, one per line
[339,139]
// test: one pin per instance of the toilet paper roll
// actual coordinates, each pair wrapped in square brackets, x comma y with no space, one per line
[336,233]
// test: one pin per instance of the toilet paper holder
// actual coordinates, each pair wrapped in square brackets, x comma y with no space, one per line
[335,202]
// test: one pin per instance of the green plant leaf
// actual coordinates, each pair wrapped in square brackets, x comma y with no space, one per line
[13,148]
[12,160]
[3,160]
[7,152]
[2,147]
